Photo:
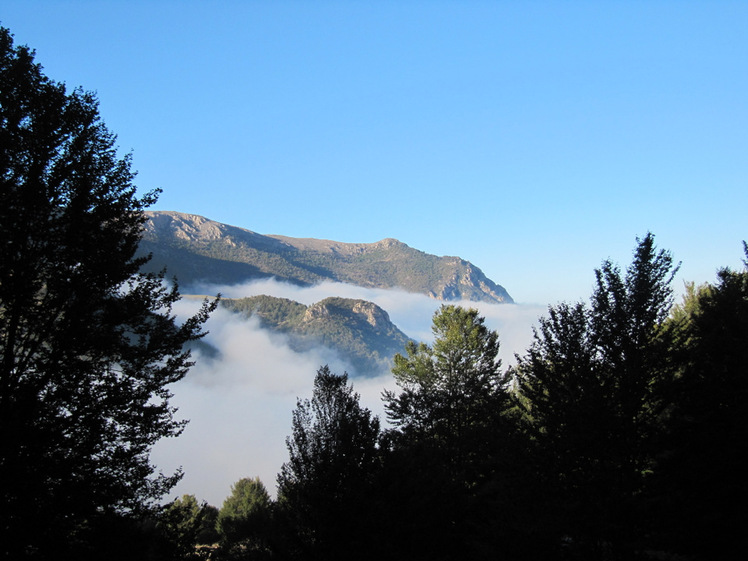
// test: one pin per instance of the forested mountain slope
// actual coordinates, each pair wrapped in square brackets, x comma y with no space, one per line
[360,331]
[194,249]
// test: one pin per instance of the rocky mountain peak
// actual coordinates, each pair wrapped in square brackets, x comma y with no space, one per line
[196,249]
[360,331]
[374,315]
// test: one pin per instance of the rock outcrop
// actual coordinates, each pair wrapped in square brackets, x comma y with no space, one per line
[197,249]
[357,330]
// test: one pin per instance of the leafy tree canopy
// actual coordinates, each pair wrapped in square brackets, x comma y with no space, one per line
[245,512]
[700,485]
[186,523]
[334,438]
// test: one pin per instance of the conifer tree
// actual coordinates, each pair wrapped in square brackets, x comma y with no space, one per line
[450,388]
[332,458]
[88,344]
[587,385]
[699,489]
[455,465]
[245,516]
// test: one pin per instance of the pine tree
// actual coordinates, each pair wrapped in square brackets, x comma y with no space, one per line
[455,470]
[452,387]
[699,491]
[333,456]
[88,344]
[587,386]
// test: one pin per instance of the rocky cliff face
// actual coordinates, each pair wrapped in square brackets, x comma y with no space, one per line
[359,331]
[373,314]
[198,232]
[359,313]
[197,249]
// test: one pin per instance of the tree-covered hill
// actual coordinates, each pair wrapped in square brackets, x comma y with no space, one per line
[196,249]
[360,331]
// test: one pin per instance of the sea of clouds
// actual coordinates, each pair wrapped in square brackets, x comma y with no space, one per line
[239,402]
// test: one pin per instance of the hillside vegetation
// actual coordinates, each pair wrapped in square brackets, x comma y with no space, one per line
[195,249]
[360,331]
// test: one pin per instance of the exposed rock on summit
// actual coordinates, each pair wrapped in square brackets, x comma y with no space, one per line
[359,331]
[196,249]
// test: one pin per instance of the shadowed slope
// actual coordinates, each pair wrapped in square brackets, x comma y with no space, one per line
[195,249]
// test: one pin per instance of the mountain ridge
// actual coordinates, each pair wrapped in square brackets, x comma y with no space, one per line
[197,249]
[359,331]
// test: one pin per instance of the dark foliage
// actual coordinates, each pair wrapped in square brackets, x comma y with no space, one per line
[619,435]
[458,467]
[88,345]
[322,489]
[185,524]
[700,493]
[586,386]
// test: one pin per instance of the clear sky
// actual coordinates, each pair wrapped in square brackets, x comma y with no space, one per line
[533,138]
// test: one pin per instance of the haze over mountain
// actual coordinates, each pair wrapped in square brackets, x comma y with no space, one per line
[360,331]
[196,249]
[290,306]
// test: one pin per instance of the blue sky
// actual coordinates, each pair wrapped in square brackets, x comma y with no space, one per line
[534,139]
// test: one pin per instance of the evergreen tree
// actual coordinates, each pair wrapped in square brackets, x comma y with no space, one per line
[449,389]
[195,522]
[88,345]
[333,455]
[587,385]
[699,490]
[455,472]
[187,523]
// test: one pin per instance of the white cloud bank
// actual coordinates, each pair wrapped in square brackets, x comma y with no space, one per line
[239,404]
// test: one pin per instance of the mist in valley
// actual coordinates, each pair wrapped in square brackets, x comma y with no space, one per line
[239,401]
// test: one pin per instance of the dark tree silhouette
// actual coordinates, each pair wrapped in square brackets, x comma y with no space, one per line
[700,492]
[88,345]
[456,464]
[333,454]
[587,385]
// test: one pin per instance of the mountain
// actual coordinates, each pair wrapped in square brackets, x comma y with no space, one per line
[360,331]
[195,249]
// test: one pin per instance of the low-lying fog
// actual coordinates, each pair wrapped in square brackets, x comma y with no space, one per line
[239,404]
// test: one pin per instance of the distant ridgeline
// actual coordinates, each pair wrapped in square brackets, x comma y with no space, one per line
[198,250]
[195,249]
[360,331]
